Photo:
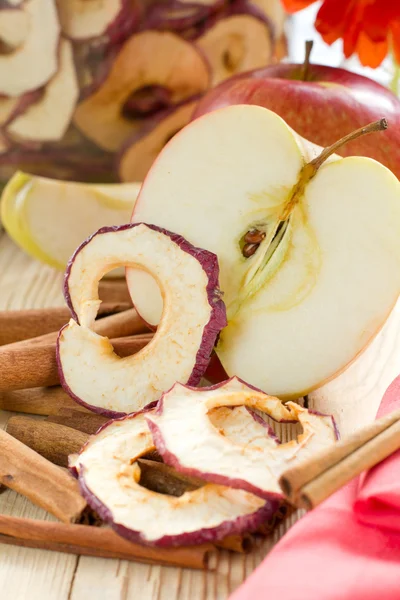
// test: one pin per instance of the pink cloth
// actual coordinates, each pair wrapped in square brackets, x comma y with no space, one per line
[346,549]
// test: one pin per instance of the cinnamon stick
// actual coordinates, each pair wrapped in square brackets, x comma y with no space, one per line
[17,325]
[39,401]
[84,422]
[161,478]
[114,290]
[238,543]
[46,485]
[36,366]
[311,482]
[52,441]
[121,324]
[97,541]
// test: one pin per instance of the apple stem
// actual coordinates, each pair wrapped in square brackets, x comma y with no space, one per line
[306,63]
[310,169]
[380,125]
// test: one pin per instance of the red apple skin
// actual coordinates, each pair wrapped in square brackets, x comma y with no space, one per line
[330,104]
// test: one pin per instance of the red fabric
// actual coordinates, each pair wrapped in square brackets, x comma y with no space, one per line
[346,549]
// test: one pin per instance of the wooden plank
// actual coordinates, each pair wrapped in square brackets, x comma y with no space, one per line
[353,398]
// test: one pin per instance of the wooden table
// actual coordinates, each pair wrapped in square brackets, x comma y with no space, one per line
[42,575]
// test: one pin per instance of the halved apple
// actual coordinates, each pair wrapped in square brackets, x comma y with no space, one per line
[48,118]
[141,151]
[193,316]
[108,474]
[254,467]
[35,62]
[147,58]
[30,206]
[309,253]
[236,43]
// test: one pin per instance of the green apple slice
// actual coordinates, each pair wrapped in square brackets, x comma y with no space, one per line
[320,284]
[49,219]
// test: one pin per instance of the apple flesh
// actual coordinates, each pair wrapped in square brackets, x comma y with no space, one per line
[325,275]
[329,104]
[194,315]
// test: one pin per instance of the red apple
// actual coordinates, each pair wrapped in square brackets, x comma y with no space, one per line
[320,103]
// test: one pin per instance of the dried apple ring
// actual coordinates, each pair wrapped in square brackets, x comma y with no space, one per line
[109,479]
[193,316]
[149,58]
[204,452]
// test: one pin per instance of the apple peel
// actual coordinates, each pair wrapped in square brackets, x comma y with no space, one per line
[108,476]
[193,316]
[204,452]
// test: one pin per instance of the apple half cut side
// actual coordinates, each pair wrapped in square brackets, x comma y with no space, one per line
[47,120]
[193,316]
[205,452]
[140,152]
[146,59]
[32,64]
[109,475]
[30,205]
[235,44]
[309,268]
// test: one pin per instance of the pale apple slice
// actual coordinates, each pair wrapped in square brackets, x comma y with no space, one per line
[14,28]
[108,474]
[147,58]
[326,274]
[31,206]
[236,43]
[35,62]
[48,119]
[273,10]
[193,316]
[254,467]
[141,151]
[85,19]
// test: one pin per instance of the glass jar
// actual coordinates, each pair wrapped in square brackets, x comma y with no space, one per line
[91,90]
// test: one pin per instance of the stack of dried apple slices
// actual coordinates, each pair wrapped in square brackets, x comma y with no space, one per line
[210,432]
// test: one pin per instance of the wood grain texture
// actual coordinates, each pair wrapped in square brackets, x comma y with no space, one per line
[354,398]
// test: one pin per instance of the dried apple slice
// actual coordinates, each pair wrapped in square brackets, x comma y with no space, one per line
[85,19]
[146,59]
[14,28]
[35,62]
[222,460]
[109,475]
[243,426]
[141,151]
[193,316]
[48,119]
[235,44]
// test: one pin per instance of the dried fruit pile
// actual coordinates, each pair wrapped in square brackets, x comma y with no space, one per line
[211,433]
[93,90]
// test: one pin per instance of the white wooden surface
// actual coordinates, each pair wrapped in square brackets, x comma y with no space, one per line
[41,575]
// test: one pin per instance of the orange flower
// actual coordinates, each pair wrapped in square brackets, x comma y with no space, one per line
[367,27]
